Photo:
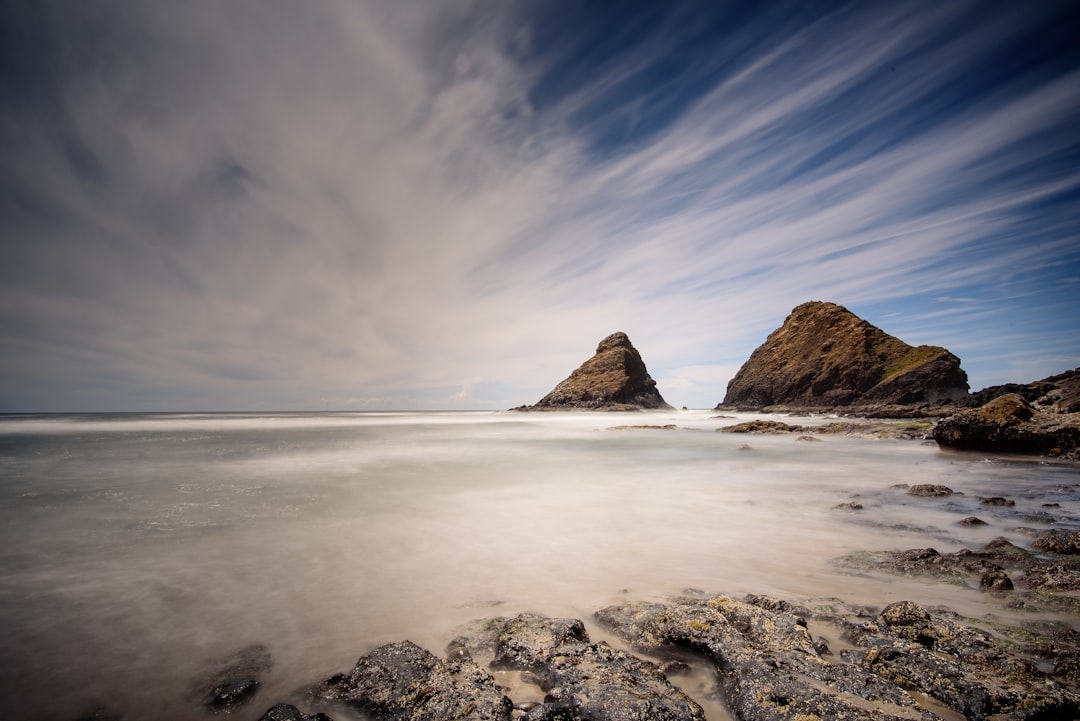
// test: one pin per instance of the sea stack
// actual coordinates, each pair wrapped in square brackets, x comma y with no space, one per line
[615,379]
[825,356]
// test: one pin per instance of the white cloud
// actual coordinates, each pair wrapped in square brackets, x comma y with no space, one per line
[358,200]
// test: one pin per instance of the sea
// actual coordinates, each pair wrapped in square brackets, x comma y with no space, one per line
[139,550]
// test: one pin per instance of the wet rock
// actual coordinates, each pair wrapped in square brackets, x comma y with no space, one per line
[1009,424]
[849,506]
[768,666]
[997,501]
[1041,582]
[930,490]
[582,680]
[232,681]
[233,692]
[401,681]
[1059,542]
[761,427]
[971,521]
[962,667]
[288,712]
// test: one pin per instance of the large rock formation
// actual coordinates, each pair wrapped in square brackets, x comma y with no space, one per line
[613,379]
[826,356]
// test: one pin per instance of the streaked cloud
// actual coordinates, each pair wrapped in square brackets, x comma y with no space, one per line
[385,204]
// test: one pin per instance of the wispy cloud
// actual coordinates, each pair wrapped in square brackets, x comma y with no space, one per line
[241,204]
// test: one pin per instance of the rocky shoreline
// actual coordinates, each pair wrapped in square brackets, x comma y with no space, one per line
[768,660]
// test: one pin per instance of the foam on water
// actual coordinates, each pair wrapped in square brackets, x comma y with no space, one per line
[134,548]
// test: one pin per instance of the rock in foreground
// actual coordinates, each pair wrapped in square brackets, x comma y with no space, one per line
[1009,424]
[766,663]
[613,379]
[824,356]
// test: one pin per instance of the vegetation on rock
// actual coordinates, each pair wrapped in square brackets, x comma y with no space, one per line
[825,356]
[615,378]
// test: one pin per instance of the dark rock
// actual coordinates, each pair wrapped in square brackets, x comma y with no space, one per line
[930,490]
[849,506]
[825,356]
[761,427]
[997,501]
[1009,424]
[971,521]
[615,378]
[233,692]
[1041,582]
[1059,542]
[288,712]
[232,681]
[401,681]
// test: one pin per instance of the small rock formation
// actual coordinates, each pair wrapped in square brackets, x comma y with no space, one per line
[1056,394]
[1041,581]
[1009,424]
[580,680]
[403,681]
[824,356]
[232,681]
[613,379]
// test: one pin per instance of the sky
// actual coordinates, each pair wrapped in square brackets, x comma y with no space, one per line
[446,204]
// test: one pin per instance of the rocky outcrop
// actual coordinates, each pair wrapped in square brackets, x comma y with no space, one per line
[579,680]
[613,379]
[1056,394]
[824,356]
[401,681]
[770,667]
[1009,424]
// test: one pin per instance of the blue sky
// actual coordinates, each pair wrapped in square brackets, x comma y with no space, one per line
[440,205]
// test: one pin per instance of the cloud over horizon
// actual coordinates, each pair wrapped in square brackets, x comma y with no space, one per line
[415,205]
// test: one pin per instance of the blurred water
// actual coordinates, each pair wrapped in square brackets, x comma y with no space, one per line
[134,548]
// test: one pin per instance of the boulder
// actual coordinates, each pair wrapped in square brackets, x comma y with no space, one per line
[1009,424]
[401,681]
[825,356]
[232,681]
[615,378]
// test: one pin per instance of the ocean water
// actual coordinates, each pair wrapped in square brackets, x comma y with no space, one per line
[137,550]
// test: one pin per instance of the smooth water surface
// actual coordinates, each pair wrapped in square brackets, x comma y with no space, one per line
[138,548]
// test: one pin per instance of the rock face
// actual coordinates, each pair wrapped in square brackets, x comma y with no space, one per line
[1009,424]
[613,379]
[825,356]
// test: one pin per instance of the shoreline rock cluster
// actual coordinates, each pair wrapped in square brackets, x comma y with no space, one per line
[897,663]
